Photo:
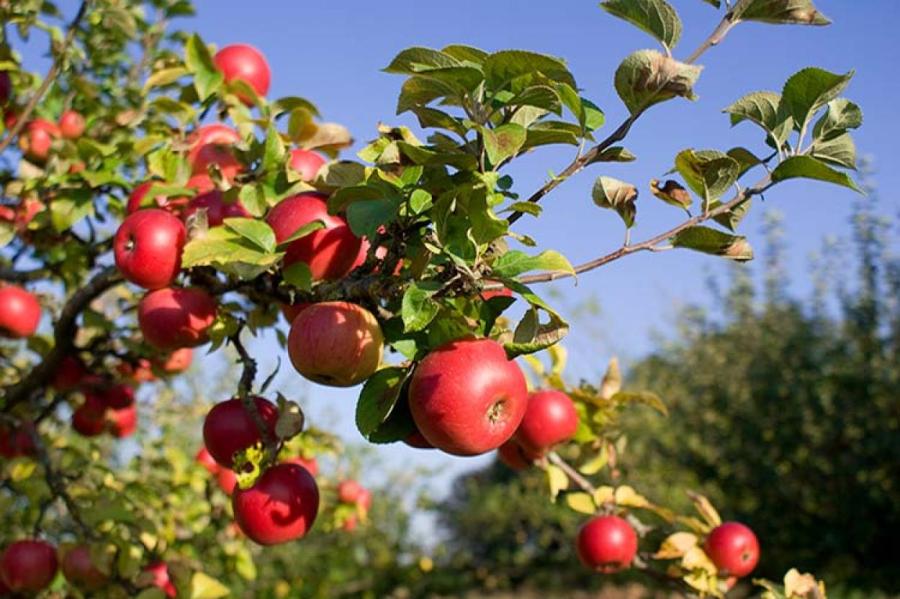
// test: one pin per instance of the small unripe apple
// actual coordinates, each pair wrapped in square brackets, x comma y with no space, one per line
[733,548]
[307,163]
[211,145]
[217,210]
[148,247]
[158,573]
[171,318]
[178,361]
[20,312]
[89,419]
[207,461]
[80,570]
[335,343]
[515,456]
[71,124]
[28,566]
[550,418]
[348,491]
[69,374]
[228,428]
[123,422]
[467,397]
[281,506]
[17,441]
[246,63]
[607,544]
[331,253]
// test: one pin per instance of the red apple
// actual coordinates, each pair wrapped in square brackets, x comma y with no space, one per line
[350,523]
[172,318]
[122,423]
[502,292]
[733,548]
[211,144]
[140,371]
[37,138]
[17,441]
[246,63]
[228,428]
[467,397]
[348,491]
[79,569]
[307,163]
[28,566]
[69,374]
[280,507]
[20,312]
[71,124]
[6,88]
[418,440]
[89,419]
[227,480]
[77,167]
[331,252]
[311,465]
[159,577]
[335,343]
[550,418]
[607,544]
[117,397]
[178,361]
[290,311]
[173,205]
[364,500]
[206,460]
[515,456]
[217,210]
[148,248]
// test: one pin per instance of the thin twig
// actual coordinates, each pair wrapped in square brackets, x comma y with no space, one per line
[22,119]
[573,474]
[245,394]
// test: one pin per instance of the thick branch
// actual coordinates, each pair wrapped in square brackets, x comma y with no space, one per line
[653,242]
[64,336]
[23,276]
[22,118]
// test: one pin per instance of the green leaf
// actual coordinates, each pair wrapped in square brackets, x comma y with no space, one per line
[300,233]
[763,108]
[552,132]
[656,17]
[709,173]
[842,114]
[378,397]
[500,68]
[809,168]
[206,587]
[292,103]
[716,3]
[274,152]
[745,158]
[779,12]
[615,154]
[207,78]
[616,195]
[515,262]
[164,77]
[431,117]
[257,232]
[420,201]
[419,91]
[648,77]
[503,142]
[298,275]
[253,198]
[731,219]
[839,151]
[418,308]
[465,53]
[367,216]
[70,207]
[228,251]
[711,241]
[418,59]
[808,90]
[539,96]
[531,335]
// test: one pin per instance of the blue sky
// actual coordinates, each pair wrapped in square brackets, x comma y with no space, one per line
[332,54]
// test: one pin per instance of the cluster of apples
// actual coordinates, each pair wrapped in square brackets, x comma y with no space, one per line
[350,492]
[29,566]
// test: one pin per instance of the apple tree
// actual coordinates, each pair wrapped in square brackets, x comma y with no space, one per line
[157,201]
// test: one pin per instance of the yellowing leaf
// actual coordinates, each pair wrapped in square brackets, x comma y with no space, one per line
[604,495]
[557,479]
[628,497]
[676,545]
[695,559]
[22,469]
[703,581]
[596,463]
[206,587]
[705,509]
[581,502]
[802,586]
[612,380]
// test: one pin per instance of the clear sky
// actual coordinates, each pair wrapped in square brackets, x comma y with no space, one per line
[332,53]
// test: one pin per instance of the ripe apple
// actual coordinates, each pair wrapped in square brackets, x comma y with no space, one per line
[148,247]
[228,428]
[244,62]
[69,374]
[513,455]
[122,422]
[173,205]
[331,252]
[550,418]
[117,397]
[89,419]
[28,566]
[20,312]
[172,317]
[6,88]
[178,361]
[217,210]
[335,343]
[307,163]
[607,544]
[37,138]
[491,293]
[733,548]
[467,397]
[139,372]
[364,500]
[350,523]
[290,311]
[18,441]
[211,144]
[206,460]
[159,577]
[227,480]
[348,491]
[311,465]
[280,507]
[71,124]
[79,569]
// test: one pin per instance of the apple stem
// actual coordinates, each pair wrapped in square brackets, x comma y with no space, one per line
[245,389]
